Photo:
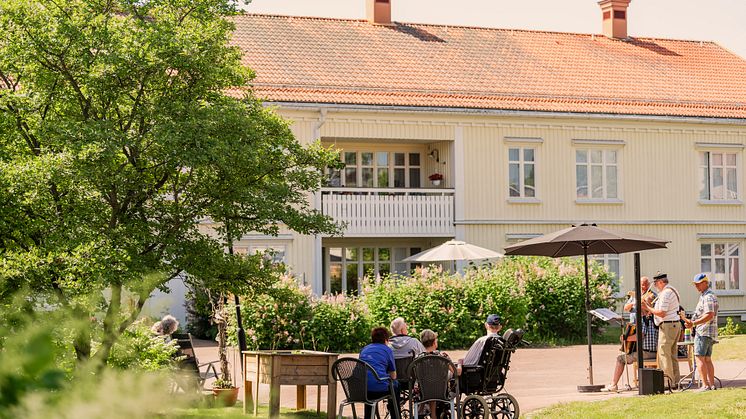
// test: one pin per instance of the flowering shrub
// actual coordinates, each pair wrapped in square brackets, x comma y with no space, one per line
[544,296]
[289,317]
[452,305]
[555,293]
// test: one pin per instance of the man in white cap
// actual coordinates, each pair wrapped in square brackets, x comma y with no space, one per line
[705,319]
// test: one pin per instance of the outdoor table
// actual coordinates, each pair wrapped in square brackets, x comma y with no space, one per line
[691,375]
[298,368]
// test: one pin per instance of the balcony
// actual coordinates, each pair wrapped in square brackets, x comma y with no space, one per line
[389,212]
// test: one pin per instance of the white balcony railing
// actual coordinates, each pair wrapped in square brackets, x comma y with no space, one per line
[391,212]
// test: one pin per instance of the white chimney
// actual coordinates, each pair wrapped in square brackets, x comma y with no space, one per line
[614,14]
[378,11]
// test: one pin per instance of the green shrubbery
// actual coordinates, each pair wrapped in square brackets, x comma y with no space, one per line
[289,317]
[138,348]
[731,328]
[544,296]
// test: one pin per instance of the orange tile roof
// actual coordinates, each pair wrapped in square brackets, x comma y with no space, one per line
[315,60]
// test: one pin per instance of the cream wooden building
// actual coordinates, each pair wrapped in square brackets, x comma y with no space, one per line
[531,131]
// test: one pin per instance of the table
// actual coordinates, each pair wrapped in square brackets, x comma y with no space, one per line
[298,368]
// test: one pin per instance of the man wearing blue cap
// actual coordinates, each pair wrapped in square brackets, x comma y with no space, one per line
[705,319]
[492,326]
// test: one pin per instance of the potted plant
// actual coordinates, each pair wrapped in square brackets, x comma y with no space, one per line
[435,178]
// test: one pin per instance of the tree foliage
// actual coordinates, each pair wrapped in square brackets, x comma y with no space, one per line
[117,139]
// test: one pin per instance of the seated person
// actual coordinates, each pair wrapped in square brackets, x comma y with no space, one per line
[379,356]
[429,340]
[402,344]
[165,327]
[492,326]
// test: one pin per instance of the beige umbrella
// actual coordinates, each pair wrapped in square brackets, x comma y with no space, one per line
[454,250]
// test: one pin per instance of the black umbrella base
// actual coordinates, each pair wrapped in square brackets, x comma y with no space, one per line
[591,388]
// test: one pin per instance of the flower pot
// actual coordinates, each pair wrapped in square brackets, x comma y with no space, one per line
[225,396]
[436,182]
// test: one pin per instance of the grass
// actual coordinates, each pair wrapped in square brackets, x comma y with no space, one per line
[236,412]
[723,403]
[730,348]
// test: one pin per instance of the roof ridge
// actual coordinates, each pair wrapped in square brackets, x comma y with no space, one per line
[486,28]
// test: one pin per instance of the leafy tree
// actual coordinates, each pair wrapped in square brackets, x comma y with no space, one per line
[117,139]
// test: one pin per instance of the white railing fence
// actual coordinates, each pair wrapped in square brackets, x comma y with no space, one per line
[390,212]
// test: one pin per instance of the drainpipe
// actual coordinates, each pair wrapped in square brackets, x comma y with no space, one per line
[318,280]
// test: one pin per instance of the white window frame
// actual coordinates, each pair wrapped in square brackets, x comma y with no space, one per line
[392,262]
[603,146]
[709,151]
[727,242]
[276,248]
[342,182]
[522,163]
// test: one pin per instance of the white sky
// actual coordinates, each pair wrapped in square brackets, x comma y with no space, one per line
[722,21]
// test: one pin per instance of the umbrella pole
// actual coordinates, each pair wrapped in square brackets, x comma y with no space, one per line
[638,322]
[588,316]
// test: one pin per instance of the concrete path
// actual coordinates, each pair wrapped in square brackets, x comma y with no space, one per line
[537,378]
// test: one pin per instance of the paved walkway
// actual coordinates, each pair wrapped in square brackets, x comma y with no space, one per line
[537,378]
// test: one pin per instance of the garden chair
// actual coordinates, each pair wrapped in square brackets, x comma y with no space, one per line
[436,379]
[353,373]
[190,369]
[402,376]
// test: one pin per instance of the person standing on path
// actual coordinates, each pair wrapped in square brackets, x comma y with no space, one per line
[705,319]
[666,317]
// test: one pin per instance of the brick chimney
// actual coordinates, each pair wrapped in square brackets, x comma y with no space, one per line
[378,11]
[614,14]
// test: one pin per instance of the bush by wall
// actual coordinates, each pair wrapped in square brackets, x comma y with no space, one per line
[544,296]
[452,305]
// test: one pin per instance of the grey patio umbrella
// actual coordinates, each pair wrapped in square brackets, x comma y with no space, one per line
[587,240]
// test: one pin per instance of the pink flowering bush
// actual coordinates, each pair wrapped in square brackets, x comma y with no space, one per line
[290,317]
[453,305]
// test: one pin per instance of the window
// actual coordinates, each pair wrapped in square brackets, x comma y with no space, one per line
[723,262]
[718,176]
[348,265]
[380,169]
[596,174]
[611,262]
[521,172]
[272,253]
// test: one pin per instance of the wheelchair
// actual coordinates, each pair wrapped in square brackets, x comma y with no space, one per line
[482,384]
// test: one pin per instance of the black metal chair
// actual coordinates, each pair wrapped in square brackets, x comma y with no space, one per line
[353,374]
[402,376]
[436,379]
[191,377]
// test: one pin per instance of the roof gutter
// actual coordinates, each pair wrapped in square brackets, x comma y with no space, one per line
[501,112]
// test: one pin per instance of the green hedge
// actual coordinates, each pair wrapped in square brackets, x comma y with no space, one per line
[544,296]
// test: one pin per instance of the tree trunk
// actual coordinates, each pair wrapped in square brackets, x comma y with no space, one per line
[82,340]
[222,339]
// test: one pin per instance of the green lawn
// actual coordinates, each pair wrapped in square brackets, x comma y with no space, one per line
[730,348]
[237,413]
[723,403]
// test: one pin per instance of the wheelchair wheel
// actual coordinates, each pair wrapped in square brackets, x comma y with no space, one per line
[504,406]
[474,407]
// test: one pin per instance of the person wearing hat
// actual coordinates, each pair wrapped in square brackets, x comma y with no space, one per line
[666,317]
[492,325]
[705,319]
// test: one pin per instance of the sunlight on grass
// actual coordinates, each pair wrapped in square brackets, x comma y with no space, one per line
[723,403]
[237,413]
[730,348]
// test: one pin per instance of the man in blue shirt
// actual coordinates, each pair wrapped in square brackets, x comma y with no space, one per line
[379,356]
[705,319]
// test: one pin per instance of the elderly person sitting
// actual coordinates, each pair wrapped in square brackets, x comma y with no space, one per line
[402,344]
[379,356]
[492,326]
[429,340]
[165,327]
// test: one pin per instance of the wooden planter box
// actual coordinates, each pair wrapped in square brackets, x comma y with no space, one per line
[298,368]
